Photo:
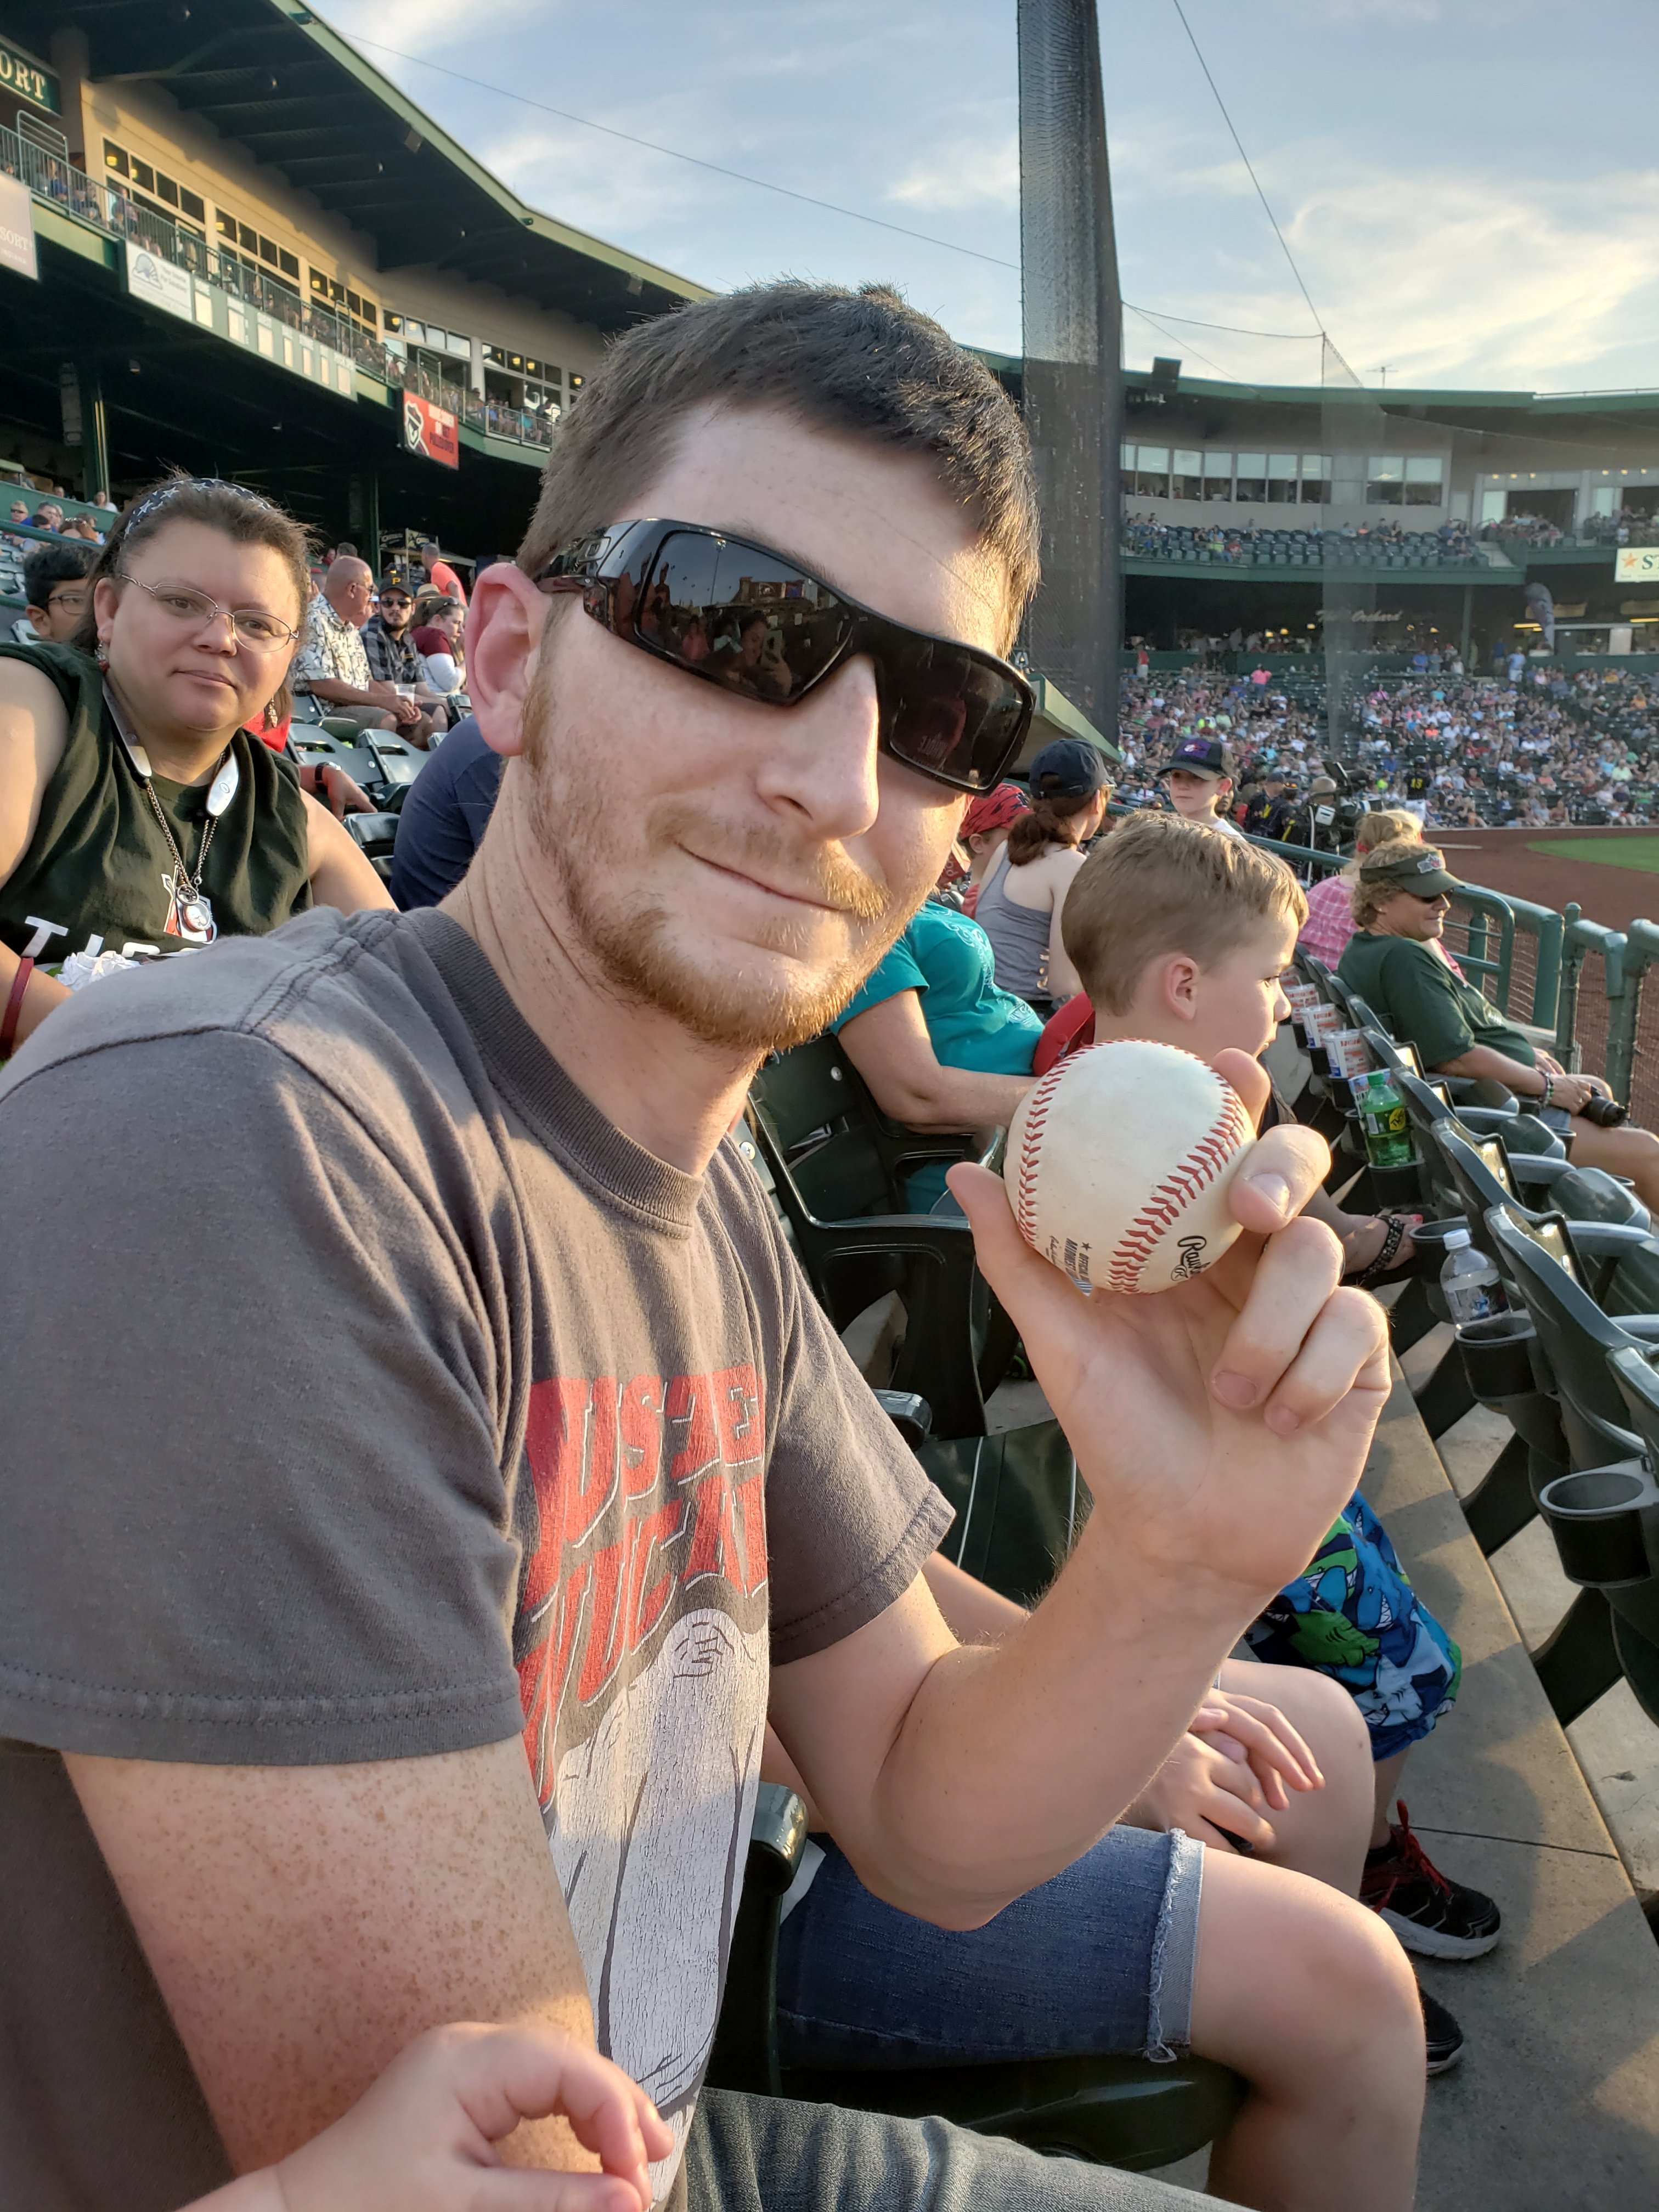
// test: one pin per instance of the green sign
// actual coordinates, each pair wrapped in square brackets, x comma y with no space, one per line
[21,74]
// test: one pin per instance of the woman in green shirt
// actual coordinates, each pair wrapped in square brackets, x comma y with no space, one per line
[1400,902]
[137,815]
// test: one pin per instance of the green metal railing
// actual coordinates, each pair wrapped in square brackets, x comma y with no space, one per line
[1514,947]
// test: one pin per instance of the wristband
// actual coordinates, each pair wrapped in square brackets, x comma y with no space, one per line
[1549,1092]
[20,984]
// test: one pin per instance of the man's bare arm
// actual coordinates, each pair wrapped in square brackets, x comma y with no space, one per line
[304,1924]
[1220,1426]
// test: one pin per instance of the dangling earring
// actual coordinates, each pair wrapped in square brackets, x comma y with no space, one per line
[102,655]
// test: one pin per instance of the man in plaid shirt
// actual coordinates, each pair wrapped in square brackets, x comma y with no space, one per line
[390,650]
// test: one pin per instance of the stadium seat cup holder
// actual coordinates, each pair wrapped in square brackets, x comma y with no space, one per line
[1429,1252]
[1605,1521]
[1498,1358]
[1399,1189]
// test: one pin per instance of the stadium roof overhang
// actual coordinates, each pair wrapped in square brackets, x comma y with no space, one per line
[1509,413]
[272,76]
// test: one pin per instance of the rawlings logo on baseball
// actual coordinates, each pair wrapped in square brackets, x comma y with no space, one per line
[1118,1162]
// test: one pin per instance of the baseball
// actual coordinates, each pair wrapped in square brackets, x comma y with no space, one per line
[1118,1164]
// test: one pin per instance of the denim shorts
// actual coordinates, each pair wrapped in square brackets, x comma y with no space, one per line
[1098,1960]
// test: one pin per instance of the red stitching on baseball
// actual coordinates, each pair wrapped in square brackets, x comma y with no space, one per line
[1232,1129]
[1036,1113]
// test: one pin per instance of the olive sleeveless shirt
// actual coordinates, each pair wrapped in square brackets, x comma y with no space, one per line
[99,865]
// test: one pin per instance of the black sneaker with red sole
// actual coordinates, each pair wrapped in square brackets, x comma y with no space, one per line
[1431,1914]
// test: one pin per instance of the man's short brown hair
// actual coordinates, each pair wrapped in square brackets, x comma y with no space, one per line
[1159,885]
[863,364]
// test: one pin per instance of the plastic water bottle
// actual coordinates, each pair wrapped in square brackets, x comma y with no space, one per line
[1469,1282]
[1382,1119]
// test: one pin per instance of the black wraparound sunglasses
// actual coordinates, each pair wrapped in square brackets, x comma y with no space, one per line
[757,623]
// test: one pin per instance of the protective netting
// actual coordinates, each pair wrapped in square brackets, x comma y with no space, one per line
[1072,342]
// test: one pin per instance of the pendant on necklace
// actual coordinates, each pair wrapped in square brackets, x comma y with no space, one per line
[190,911]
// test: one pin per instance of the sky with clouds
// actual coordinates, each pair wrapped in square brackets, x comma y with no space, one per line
[1470,187]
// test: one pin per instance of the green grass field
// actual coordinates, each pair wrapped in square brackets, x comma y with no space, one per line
[1621,853]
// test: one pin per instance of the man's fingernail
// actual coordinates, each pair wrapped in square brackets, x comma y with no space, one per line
[1274,1188]
[1236,1390]
[1282,1421]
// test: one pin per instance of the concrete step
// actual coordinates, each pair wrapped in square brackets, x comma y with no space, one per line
[1616,1744]
[1557,2103]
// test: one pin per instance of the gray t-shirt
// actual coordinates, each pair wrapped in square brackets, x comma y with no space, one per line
[370,1396]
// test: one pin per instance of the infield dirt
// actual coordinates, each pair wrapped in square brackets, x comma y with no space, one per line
[1506,860]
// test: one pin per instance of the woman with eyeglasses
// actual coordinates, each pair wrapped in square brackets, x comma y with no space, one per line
[137,814]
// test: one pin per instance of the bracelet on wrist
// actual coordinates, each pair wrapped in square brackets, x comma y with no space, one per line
[1548,1091]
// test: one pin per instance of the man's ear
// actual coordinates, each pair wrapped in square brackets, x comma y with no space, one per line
[505,623]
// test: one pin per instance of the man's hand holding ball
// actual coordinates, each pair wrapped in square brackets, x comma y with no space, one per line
[1222,1425]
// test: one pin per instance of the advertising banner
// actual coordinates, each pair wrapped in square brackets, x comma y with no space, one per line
[21,74]
[17,227]
[162,283]
[431,430]
[1636,564]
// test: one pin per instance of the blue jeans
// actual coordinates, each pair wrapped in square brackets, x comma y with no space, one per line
[1099,1959]
[762,2154]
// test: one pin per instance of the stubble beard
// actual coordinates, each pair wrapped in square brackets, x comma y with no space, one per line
[629,938]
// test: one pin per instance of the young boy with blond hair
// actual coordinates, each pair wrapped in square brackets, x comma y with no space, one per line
[1181,935]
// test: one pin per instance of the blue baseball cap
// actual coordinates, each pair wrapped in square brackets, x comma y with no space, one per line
[1199,756]
[1071,768]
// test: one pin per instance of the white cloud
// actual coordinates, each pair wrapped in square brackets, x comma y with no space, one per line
[1470,277]
[963,172]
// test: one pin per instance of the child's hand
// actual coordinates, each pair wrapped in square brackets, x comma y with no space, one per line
[1255,1733]
[423,2138]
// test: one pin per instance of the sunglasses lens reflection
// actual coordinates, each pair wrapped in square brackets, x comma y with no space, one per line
[768,631]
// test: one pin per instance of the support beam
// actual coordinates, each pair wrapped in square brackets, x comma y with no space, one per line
[94,434]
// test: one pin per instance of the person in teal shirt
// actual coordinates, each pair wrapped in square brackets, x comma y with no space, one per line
[938,1045]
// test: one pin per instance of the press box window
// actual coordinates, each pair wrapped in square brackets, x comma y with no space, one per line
[1152,472]
[1385,480]
[1186,476]
[225,224]
[1218,476]
[1281,479]
[115,159]
[1316,479]
[1425,480]
[142,175]
[1251,488]
[289,265]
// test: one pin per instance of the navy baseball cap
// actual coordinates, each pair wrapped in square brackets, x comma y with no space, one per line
[1069,769]
[1199,756]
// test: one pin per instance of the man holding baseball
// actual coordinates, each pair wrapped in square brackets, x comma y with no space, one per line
[388,1625]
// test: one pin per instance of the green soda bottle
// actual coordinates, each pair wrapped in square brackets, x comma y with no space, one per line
[1382,1119]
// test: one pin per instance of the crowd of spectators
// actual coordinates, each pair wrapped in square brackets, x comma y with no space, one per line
[1532,746]
[1626,527]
